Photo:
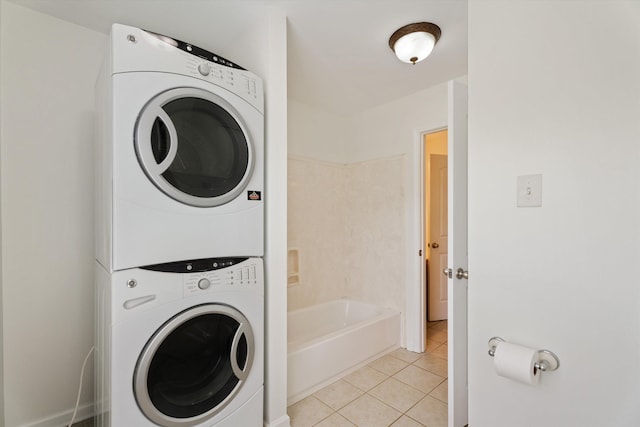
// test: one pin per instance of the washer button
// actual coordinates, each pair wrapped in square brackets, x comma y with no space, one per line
[204,283]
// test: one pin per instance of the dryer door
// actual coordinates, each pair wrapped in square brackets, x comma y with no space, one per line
[194,365]
[194,146]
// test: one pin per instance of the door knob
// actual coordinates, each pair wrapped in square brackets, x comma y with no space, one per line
[448,272]
[435,245]
[461,274]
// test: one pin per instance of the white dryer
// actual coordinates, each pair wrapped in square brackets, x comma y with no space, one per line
[180,154]
[181,344]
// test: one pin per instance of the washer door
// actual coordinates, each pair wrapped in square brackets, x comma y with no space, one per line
[194,365]
[194,146]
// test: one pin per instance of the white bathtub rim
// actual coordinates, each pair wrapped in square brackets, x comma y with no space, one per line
[333,301]
[383,314]
[294,347]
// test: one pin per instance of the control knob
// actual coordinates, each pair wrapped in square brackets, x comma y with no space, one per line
[204,68]
[204,283]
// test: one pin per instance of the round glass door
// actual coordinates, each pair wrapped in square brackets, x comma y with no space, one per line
[194,365]
[194,147]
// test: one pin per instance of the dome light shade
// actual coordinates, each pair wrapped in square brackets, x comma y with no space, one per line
[414,42]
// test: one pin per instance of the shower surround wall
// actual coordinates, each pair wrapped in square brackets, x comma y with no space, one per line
[356,236]
[343,219]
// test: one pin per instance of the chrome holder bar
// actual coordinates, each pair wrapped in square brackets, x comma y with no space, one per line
[547,360]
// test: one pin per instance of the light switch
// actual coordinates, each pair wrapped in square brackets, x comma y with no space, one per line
[529,191]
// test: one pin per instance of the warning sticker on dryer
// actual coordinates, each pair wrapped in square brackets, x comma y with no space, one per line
[254,195]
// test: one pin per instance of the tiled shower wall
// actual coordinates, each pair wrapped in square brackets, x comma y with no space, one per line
[316,225]
[347,223]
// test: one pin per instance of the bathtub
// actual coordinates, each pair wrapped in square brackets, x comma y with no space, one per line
[331,339]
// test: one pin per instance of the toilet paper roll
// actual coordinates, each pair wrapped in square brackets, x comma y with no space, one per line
[517,362]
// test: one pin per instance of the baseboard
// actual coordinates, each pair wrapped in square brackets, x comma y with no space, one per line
[283,421]
[62,419]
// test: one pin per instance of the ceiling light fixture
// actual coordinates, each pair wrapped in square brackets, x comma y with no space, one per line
[414,42]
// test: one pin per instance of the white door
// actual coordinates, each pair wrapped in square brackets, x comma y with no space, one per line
[438,237]
[457,218]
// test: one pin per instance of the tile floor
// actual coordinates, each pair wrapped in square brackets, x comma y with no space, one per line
[86,423]
[401,389]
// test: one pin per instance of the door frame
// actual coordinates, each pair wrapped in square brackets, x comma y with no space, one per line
[416,303]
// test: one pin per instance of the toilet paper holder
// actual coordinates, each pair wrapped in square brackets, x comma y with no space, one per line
[547,360]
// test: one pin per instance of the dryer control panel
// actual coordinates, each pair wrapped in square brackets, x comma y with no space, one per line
[240,82]
[195,50]
[136,50]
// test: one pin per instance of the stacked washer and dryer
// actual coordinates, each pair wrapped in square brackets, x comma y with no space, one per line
[179,236]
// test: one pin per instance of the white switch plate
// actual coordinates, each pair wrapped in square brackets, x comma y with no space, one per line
[530,191]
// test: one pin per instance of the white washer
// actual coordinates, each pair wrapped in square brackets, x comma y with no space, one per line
[180,154]
[181,344]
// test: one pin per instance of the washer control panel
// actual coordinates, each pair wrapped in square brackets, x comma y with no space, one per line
[247,273]
[215,274]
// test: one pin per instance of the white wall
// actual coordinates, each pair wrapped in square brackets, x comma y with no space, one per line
[47,211]
[554,89]
[276,221]
[1,275]
[317,134]
[391,129]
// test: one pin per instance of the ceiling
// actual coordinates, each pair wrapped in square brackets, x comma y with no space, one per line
[338,54]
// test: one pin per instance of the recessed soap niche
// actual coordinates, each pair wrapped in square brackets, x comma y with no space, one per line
[293,267]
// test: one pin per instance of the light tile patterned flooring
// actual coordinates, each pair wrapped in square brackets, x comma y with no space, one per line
[401,389]
[86,423]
